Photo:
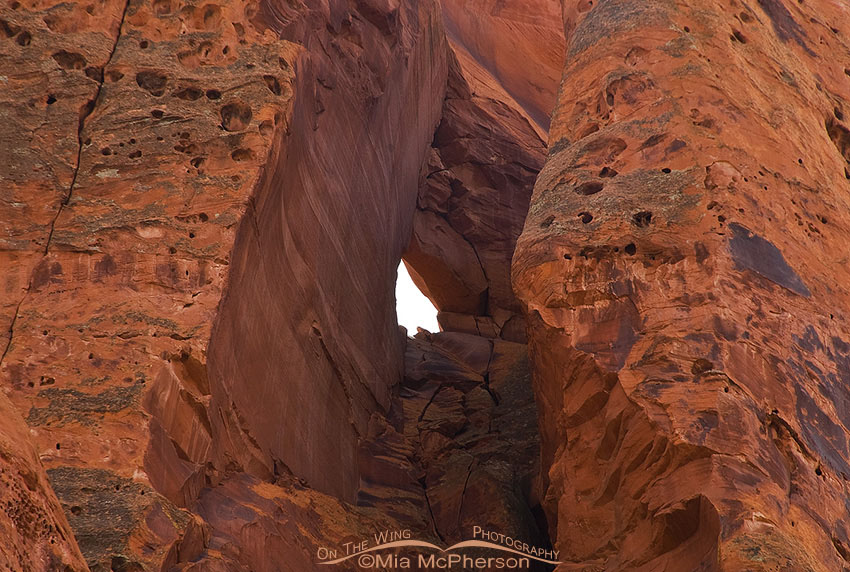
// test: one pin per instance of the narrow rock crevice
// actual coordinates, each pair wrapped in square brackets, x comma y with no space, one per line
[12,324]
[85,112]
[431,514]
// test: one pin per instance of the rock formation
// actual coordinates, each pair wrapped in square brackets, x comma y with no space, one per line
[204,209]
[683,270]
[645,362]
[133,247]
[35,532]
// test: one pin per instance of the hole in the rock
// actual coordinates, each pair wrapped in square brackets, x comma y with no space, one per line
[189,94]
[590,188]
[642,219]
[273,84]
[94,73]
[413,308]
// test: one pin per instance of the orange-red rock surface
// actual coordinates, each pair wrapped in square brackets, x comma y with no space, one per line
[35,532]
[202,208]
[144,170]
[684,271]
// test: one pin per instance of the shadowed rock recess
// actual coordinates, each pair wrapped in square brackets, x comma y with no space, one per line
[644,355]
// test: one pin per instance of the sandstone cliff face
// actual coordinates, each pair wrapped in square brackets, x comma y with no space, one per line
[144,149]
[307,328]
[520,44]
[169,126]
[684,272]
[35,533]
[205,205]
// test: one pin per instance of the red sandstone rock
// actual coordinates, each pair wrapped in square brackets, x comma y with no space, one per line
[298,320]
[519,42]
[158,146]
[476,182]
[204,207]
[684,275]
[35,533]
[115,305]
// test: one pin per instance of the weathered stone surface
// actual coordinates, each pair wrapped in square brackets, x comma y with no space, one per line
[165,144]
[35,533]
[683,271]
[159,145]
[465,436]
[203,207]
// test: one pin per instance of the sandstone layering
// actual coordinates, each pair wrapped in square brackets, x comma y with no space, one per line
[631,216]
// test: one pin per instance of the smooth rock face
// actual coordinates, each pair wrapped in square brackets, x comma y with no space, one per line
[307,328]
[683,271]
[474,194]
[519,42]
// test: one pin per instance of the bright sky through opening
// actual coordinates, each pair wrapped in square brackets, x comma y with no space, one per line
[412,307]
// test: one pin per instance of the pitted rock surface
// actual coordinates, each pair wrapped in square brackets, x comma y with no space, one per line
[685,283]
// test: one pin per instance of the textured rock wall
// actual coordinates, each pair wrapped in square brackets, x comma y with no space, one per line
[35,533]
[685,277]
[140,130]
[139,180]
[461,446]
